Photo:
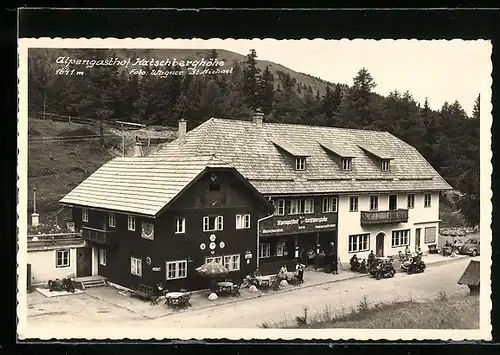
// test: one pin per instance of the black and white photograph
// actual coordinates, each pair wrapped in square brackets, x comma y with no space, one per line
[246,189]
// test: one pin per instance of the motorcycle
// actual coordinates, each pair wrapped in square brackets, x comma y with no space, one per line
[384,270]
[373,267]
[362,268]
[417,266]
[406,263]
[66,284]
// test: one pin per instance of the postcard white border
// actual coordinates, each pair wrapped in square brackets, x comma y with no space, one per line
[106,332]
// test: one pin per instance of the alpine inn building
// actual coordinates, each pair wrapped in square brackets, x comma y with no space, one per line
[292,188]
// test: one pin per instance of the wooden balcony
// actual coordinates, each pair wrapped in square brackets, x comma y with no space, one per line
[100,236]
[384,217]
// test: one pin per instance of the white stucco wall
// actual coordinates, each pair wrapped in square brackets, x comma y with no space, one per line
[43,265]
[418,217]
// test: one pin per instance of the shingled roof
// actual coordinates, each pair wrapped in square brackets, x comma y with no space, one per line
[142,185]
[251,148]
[471,275]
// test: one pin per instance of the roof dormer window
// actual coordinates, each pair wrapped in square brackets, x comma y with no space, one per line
[346,164]
[386,164]
[300,163]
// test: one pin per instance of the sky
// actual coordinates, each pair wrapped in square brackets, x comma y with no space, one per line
[439,70]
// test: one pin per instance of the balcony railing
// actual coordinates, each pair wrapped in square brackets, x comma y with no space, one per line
[98,235]
[381,217]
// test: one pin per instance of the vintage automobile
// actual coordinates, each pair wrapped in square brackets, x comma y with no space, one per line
[471,247]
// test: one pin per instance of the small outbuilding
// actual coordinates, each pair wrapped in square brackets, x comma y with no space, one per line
[470,277]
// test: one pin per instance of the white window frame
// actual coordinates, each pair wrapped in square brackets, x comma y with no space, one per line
[136,266]
[65,258]
[243,221]
[178,273]
[111,219]
[102,257]
[232,262]
[356,241]
[373,206]
[351,203]
[300,163]
[280,209]
[85,214]
[308,206]
[264,250]
[385,165]
[400,238]
[410,198]
[346,164]
[179,225]
[427,202]
[329,204]
[218,223]
[295,206]
[131,223]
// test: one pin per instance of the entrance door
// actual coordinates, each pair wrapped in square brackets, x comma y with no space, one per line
[84,262]
[393,202]
[379,247]
[417,238]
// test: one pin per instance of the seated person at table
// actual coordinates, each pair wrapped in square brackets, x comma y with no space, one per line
[283,269]
[256,273]
[407,251]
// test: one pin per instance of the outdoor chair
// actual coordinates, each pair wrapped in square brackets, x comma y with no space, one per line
[235,290]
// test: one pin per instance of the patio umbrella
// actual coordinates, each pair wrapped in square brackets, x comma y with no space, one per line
[212,271]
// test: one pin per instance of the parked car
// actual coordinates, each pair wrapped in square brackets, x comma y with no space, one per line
[471,247]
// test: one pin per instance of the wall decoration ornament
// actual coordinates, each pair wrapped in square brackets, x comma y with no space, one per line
[212,245]
[222,245]
[148,260]
[148,230]
[212,252]
[212,237]
[202,246]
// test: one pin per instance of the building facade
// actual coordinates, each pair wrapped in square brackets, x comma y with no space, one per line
[213,218]
[253,194]
[56,257]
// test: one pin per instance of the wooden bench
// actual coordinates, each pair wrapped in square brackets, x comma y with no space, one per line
[144,292]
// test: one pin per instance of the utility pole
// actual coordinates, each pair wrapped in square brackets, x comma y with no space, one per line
[123,124]
[44,100]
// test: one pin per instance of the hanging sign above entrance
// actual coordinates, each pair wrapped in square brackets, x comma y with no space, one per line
[283,225]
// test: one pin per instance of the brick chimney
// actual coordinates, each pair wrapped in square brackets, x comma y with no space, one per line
[257,117]
[182,130]
[138,152]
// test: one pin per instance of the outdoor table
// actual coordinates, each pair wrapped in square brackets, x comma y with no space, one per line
[264,281]
[173,298]
[225,286]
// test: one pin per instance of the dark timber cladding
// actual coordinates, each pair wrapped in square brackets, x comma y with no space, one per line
[213,216]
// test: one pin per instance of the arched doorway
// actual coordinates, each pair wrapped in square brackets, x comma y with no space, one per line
[379,244]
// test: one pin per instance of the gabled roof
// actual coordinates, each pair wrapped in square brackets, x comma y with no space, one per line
[341,151]
[297,152]
[142,185]
[471,276]
[251,149]
[377,152]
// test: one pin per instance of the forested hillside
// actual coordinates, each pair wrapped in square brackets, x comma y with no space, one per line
[448,138]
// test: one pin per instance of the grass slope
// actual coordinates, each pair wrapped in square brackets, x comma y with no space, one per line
[55,168]
[442,313]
